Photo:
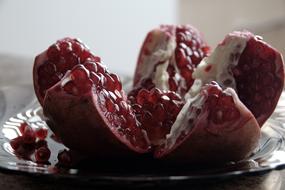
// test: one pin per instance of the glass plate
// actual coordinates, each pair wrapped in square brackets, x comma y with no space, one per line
[18,104]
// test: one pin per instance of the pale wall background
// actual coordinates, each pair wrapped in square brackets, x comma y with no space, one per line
[115,29]
[216,18]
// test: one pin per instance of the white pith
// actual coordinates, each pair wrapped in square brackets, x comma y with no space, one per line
[155,65]
[181,123]
[160,79]
[220,62]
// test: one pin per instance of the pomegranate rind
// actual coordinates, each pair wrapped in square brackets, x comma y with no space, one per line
[38,60]
[267,55]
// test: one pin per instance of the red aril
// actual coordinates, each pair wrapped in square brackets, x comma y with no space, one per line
[156,111]
[64,158]
[41,133]
[42,154]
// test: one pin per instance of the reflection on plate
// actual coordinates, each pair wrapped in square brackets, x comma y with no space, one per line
[18,104]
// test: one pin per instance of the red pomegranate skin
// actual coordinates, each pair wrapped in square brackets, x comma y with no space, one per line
[82,125]
[214,142]
[262,80]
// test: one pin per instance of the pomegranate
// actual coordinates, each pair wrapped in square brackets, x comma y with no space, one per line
[168,57]
[89,111]
[213,127]
[187,107]
[51,65]
[247,64]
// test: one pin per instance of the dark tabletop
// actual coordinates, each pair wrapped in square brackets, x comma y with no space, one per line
[274,180]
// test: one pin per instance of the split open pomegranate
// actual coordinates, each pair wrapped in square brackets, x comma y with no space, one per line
[184,106]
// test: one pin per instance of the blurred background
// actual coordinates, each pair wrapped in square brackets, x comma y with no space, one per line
[116,29]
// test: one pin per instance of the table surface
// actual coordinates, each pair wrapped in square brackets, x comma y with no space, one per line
[274,180]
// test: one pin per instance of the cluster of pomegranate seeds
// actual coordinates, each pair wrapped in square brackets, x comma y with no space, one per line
[156,111]
[221,105]
[60,57]
[190,50]
[31,141]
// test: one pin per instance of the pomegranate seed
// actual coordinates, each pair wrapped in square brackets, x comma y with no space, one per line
[110,105]
[64,158]
[91,66]
[22,127]
[110,83]
[53,52]
[41,143]
[21,148]
[29,136]
[41,133]
[118,84]
[16,142]
[42,154]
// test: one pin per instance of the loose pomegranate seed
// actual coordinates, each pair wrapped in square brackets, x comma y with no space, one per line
[29,136]
[42,154]
[21,148]
[22,127]
[64,158]
[41,133]
[55,138]
[16,142]
[156,111]
[41,143]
